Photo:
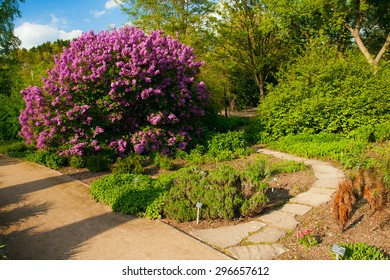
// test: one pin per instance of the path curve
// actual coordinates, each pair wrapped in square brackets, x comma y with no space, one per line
[47,215]
[263,233]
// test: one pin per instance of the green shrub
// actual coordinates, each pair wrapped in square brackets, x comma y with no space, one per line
[362,251]
[98,163]
[127,193]
[196,156]
[322,93]
[47,158]
[131,164]
[77,162]
[224,192]
[382,132]
[164,162]
[227,146]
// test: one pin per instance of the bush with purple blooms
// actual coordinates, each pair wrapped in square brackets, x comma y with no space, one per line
[119,89]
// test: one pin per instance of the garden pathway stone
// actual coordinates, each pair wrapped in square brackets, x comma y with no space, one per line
[297,209]
[266,235]
[227,236]
[258,252]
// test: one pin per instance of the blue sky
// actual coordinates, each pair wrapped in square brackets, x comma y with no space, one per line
[49,20]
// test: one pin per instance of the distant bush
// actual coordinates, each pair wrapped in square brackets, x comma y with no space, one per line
[131,164]
[227,146]
[47,158]
[322,93]
[77,162]
[98,163]
[164,162]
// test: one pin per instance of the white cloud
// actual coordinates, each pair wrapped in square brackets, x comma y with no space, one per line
[55,21]
[111,4]
[32,34]
[97,13]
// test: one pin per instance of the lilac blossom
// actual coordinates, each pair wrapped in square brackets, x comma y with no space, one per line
[122,89]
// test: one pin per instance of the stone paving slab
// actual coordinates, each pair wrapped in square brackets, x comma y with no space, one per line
[321,191]
[268,234]
[312,199]
[280,219]
[297,209]
[227,236]
[258,252]
[329,182]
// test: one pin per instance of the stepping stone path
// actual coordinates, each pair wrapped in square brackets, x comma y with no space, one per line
[257,240]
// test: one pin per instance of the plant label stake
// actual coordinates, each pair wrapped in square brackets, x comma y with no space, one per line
[198,206]
[340,251]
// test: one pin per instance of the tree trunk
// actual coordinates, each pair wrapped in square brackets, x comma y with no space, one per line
[259,79]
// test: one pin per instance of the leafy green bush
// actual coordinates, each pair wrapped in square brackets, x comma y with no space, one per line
[77,162]
[164,162]
[224,192]
[127,193]
[362,251]
[47,158]
[227,146]
[322,93]
[98,163]
[196,156]
[15,148]
[131,164]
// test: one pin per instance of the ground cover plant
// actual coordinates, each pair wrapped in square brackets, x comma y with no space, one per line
[120,89]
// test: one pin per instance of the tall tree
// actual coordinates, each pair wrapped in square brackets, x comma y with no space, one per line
[9,9]
[249,35]
[367,19]
[187,18]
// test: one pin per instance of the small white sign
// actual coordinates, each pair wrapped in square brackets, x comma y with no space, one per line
[198,205]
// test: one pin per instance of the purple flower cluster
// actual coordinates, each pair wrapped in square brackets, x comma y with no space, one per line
[122,89]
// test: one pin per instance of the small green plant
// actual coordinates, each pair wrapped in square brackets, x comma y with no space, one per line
[2,254]
[196,156]
[98,163]
[227,146]
[77,162]
[164,162]
[307,237]
[131,164]
[47,158]
[127,193]
[362,251]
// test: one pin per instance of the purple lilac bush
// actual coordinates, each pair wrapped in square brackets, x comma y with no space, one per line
[121,89]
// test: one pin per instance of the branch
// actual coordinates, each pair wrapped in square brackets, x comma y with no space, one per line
[383,50]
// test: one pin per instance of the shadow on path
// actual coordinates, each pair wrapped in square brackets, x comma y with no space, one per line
[60,243]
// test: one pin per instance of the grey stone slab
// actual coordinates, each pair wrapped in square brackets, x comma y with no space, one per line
[329,183]
[312,199]
[227,236]
[280,219]
[321,191]
[258,252]
[297,209]
[324,168]
[268,234]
